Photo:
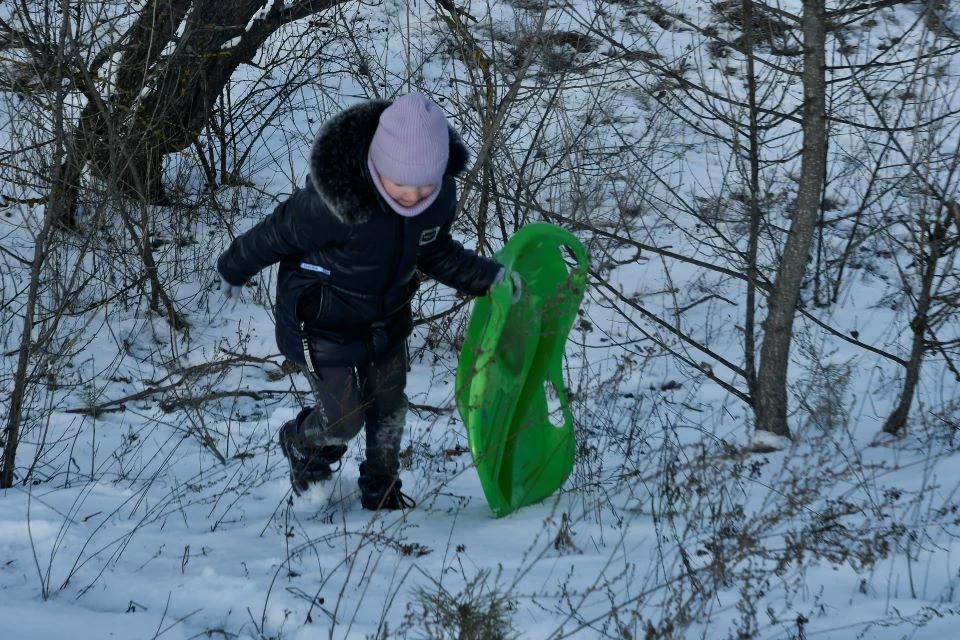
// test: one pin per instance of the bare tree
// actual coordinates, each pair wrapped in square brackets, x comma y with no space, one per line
[150,87]
[908,213]
[27,347]
[770,407]
[935,243]
[145,89]
[743,98]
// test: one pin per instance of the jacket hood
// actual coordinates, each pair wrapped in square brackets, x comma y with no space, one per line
[338,161]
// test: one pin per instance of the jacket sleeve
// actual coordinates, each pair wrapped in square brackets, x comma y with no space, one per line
[297,225]
[455,266]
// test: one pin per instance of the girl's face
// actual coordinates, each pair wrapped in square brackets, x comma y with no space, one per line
[405,195]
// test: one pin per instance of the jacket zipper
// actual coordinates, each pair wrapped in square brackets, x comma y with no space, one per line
[397,259]
[395,264]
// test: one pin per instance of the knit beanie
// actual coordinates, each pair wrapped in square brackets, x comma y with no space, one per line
[411,145]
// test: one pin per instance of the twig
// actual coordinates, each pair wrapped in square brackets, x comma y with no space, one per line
[168,406]
[179,403]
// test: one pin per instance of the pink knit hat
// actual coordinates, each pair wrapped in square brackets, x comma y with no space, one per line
[411,145]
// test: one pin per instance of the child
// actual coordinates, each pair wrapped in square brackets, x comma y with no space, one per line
[378,207]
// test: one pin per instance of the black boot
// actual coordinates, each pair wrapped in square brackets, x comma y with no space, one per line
[309,463]
[378,491]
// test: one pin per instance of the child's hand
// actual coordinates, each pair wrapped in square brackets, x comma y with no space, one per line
[517,283]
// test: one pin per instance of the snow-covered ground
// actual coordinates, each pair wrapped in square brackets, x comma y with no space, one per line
[158,503]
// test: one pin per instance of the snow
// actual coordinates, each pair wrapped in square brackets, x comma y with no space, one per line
[231,43]
[153,513]
[262,13]
[764,442]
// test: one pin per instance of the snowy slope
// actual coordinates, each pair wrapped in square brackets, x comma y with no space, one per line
[158,503]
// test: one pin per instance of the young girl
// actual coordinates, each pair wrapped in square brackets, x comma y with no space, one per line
[377,208]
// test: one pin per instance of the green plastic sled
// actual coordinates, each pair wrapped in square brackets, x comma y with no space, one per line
[511,354]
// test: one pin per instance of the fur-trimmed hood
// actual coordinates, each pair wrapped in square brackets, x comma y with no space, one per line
[338,161]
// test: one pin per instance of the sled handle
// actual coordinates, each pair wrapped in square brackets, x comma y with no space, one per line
[544,233]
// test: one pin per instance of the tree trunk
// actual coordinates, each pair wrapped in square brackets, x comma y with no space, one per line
[897,420]
[770,408]
[22,380]
[749,327]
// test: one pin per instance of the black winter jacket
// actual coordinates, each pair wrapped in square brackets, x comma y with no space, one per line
[348,262]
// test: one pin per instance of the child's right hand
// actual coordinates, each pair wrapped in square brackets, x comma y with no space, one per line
[516,283]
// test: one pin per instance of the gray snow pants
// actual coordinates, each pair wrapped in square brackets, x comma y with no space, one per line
[370,396]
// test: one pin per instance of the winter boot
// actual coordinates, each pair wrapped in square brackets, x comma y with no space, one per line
[378,491]
[309,463]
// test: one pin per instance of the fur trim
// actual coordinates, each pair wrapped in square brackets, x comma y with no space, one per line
[338,161]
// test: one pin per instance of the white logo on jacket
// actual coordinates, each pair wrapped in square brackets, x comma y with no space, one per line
[429,235]
[315,267]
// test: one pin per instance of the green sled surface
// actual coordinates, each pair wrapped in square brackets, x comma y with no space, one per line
[512,353]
